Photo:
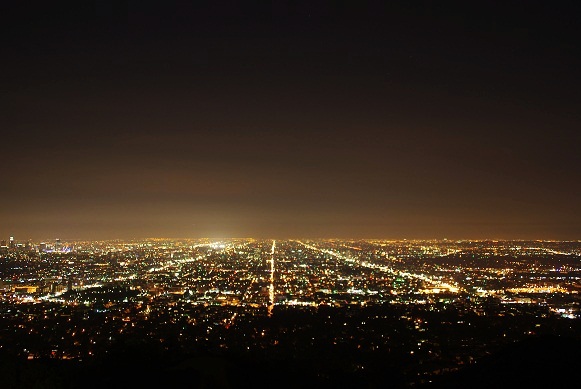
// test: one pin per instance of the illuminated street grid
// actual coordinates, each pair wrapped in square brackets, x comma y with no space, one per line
[267,273]
[429,307]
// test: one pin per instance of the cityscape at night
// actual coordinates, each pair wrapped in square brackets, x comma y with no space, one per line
[290,194]
[333,309]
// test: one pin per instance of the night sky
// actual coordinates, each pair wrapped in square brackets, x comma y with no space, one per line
[347,120]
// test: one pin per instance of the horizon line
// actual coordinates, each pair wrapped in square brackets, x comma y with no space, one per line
[308,238]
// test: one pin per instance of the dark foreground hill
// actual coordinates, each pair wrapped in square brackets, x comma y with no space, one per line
[541,362]
[533,363]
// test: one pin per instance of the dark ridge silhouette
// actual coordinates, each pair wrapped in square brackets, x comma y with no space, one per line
[540,362]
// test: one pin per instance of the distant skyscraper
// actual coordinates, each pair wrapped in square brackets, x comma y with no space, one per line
[3,244]
[12,243]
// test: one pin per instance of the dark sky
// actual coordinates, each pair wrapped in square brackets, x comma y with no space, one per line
[290,120]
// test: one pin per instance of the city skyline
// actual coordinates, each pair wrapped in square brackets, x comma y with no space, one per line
[374,311]
[292,193]
[314,120]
